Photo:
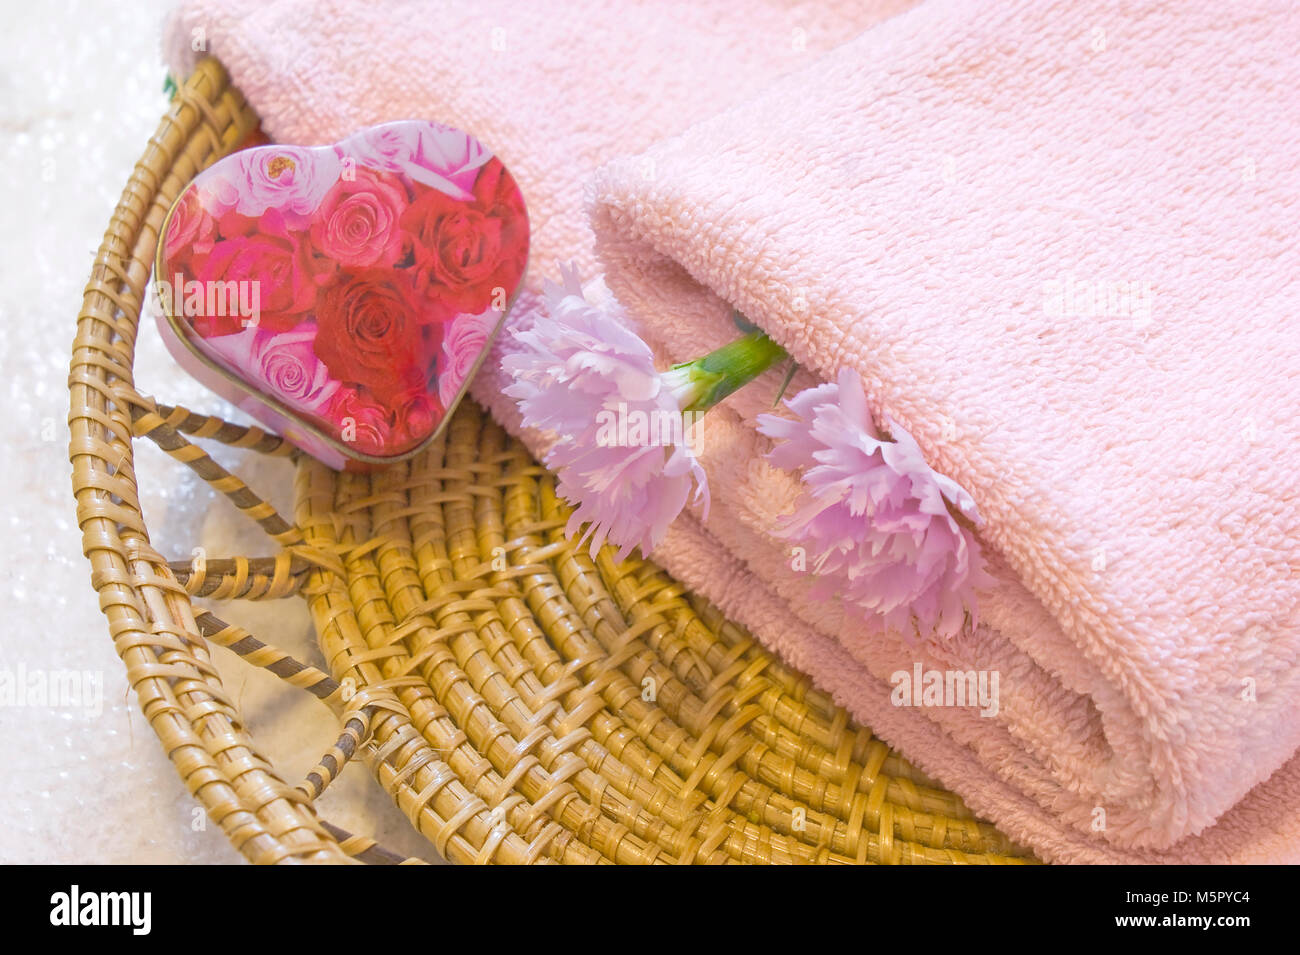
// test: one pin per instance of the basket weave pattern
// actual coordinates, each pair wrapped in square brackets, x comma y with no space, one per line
[519,701]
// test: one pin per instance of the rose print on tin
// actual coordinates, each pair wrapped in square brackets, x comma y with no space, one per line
[344,295]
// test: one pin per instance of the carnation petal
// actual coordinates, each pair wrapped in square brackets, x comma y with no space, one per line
[578,364]
[877,518]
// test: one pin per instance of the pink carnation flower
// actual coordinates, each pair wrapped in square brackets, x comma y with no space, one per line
[878,522]
[417,414]
[581,373]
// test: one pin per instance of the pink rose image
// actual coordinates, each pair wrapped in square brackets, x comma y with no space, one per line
[288,178]
[191,230]
[465,341]
[357,222]
[219,193]
[360,422]
[284,363]
[438,156]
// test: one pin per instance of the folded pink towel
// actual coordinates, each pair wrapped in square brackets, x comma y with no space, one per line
[1056,244]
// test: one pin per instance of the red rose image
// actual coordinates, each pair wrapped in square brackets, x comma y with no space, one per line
[417,415]
[191,230]
[232,225]
[265,263]
[370,333]
[362,423]
[463,251]
[274,268]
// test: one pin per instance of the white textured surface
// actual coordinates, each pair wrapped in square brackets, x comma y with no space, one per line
[80,93]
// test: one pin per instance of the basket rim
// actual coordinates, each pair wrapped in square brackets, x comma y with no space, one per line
[150,616]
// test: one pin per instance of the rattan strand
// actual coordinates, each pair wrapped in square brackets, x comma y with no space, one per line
[519,701]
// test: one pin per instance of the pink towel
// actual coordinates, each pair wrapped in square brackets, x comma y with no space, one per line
[1058,245]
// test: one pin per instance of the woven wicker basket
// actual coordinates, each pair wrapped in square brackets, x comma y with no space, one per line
[518,701]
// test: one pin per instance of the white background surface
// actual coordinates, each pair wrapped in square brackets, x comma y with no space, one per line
[80,94]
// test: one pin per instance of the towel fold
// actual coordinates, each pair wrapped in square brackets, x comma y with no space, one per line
[1057,245]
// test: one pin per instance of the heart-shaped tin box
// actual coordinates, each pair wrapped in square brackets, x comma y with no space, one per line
[344,295]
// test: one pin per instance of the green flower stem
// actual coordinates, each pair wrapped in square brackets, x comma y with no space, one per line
[702,383]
